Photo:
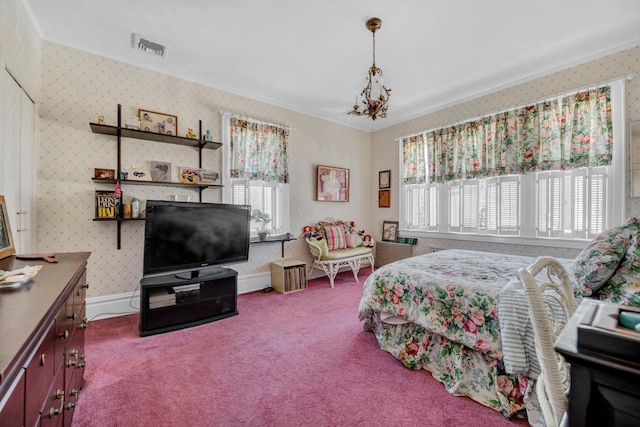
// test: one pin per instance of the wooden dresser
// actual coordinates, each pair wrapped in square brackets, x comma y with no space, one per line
[42,342]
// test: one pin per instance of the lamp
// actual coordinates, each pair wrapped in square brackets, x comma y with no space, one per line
[375,96]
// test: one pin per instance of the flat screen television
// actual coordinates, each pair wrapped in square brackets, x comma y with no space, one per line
[190,239]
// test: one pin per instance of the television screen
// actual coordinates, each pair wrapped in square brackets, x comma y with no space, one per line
[185,237]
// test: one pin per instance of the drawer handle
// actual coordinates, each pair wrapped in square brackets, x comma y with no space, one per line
[42,359]
[85,323]
[86,286]
[72,317]
[53,411]
[73,393]
[64,335]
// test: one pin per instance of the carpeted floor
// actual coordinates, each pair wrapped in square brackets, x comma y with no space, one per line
[300,359]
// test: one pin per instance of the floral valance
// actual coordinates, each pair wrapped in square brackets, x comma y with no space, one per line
[258,151]
[567,132]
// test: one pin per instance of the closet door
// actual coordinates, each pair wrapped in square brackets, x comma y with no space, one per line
[18,173]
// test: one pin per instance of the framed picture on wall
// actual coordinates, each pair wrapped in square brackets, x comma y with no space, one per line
[332,184]
[389,231]
[384,198]
[6,239]
[384,179]
[152,121]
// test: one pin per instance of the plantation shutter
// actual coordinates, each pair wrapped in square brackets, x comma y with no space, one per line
[491,210]
[596,201]
[470,205]
[432,207]
[579,207]
[239,192]
[455,190]
[550,212]
[509,204]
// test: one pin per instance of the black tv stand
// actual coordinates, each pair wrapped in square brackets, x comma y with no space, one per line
[201,274]
[168,303]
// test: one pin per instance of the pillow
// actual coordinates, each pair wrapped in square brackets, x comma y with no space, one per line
[351,240]
[624,286]
[323,245]
[599,260]
[335,237]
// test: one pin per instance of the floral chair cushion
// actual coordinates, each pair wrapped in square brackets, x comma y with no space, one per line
[595,265]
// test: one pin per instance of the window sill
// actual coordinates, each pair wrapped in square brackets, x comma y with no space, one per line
[513,240]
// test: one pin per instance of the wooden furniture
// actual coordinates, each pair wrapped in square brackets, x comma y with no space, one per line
[605,385]
[289,276]
[387,252]
[42,342]
[122,132]
[168,303]
[551,304]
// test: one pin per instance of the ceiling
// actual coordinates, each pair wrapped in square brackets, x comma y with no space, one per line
[312,56]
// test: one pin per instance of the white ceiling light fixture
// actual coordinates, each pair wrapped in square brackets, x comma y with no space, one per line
[144,44]
[375,96]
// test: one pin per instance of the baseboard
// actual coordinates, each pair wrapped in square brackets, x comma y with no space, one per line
[129,302]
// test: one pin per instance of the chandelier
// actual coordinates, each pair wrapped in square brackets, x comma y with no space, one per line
[374,98]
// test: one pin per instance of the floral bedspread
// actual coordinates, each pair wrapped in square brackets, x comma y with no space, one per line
[440,313]
[453,293]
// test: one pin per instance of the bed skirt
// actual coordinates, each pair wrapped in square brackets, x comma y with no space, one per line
[462,371]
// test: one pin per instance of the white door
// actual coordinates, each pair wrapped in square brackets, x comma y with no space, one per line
[18,172]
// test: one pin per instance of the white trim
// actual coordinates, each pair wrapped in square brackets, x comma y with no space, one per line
[116,305]
[512,240]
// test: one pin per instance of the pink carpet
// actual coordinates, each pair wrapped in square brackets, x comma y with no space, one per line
[300,359]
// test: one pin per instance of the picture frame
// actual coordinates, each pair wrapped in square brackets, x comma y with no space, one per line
[384,198]
[152,121]
[104,173]
[384,179]
[160,171]
[209,176]
[389,231]
[6,238]
[332,184]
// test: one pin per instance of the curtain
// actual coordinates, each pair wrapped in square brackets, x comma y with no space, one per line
[413,160]
[258,151]
[568,132]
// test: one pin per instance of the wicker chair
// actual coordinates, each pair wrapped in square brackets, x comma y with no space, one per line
[551,304]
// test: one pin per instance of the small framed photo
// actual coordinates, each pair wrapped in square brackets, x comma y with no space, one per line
[152,121]
[389,231]
[6,238]
[104,173]
[384,179]
[384,198]
[160,171]
[332,184]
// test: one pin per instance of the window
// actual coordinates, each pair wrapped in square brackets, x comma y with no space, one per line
[255,163]
[565,192]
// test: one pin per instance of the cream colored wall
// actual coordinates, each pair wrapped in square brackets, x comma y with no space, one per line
[385,149]
[77,87]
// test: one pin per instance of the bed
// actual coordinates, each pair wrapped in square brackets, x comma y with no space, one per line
[463,316]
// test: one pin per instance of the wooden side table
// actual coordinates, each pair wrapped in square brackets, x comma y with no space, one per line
[605,390]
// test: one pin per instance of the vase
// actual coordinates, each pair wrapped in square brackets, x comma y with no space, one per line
[262,236]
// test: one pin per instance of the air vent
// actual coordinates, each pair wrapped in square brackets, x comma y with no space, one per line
[144,44]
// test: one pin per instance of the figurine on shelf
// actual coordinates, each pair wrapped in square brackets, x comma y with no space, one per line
[190,134]
[207,135]
[132,123]
[100,120]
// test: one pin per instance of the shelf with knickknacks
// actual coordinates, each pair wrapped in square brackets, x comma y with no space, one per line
[131,128]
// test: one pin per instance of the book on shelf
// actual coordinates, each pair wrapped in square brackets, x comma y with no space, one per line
[108,204]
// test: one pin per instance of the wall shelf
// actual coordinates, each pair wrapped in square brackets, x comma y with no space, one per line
[281,239]
[123,132]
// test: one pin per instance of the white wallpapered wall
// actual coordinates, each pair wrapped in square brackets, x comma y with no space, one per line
[386,156]
[77,87]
